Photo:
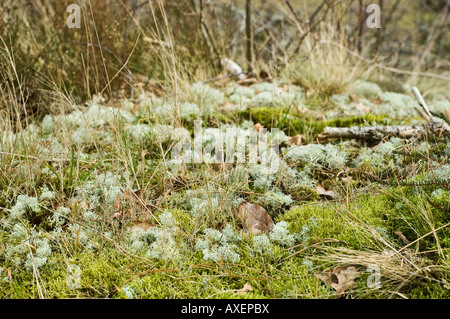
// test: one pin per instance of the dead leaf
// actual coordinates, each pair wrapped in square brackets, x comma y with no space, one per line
[245,289]
[297,140]
[324,193]
[9,273]
[258,127]
[340,278]
[363,108]
[447,114]
[254,218]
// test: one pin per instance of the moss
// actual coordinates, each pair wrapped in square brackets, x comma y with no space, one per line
[301,193]
[334,220]
[199,198]
[410,212]
[293,123]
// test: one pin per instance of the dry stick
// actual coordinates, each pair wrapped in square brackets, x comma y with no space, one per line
[362,29]
[249,34]
[435,126]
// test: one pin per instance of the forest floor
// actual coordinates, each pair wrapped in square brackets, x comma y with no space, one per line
[93,205]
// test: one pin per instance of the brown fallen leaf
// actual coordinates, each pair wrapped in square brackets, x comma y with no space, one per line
[245,289]
[254,218]
[339,278]
[9,273]
[258,127]
[297,140]
[447,114]
[324,193]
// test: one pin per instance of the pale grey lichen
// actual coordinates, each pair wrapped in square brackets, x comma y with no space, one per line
[218,245]
[167,219]
[218,253]
[61,215]
[46,194]
[23,205]
[139,132]
[39,258]
[328,155]
[47,124]
[308,264]
[262,244]
[280,234]
[366,89]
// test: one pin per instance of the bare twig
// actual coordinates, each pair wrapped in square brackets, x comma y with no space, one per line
[249,34]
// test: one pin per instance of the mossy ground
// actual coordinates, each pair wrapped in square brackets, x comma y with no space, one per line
[382,191]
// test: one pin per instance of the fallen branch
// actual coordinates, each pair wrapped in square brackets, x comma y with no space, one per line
[372,134]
